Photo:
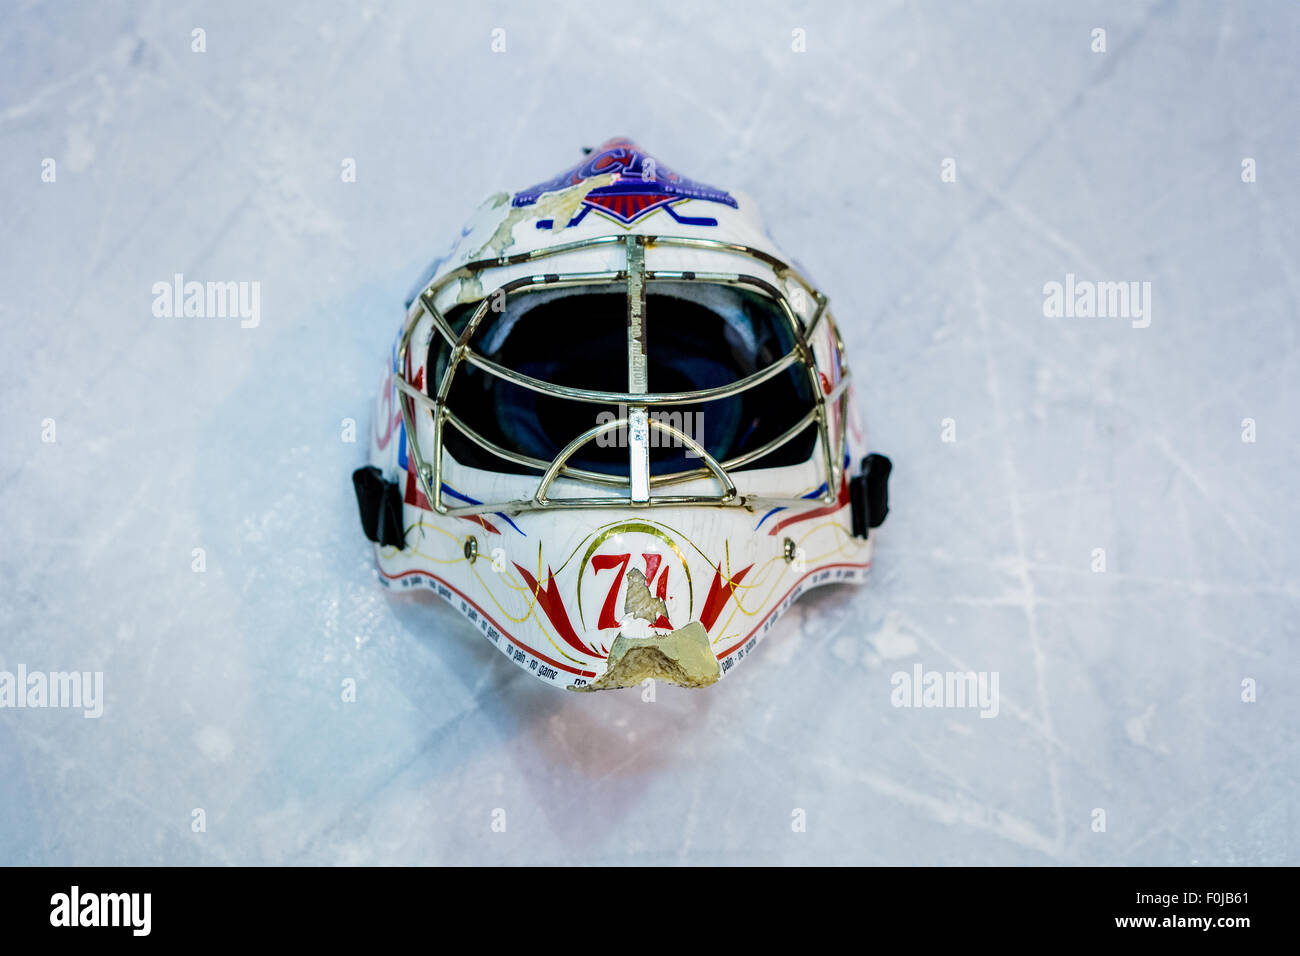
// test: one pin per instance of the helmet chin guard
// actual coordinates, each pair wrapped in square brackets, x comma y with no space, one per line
[659,412]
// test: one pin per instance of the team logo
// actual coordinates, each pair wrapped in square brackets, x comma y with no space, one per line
[642,185]
[634,571]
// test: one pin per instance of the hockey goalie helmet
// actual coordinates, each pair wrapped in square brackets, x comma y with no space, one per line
[617,431]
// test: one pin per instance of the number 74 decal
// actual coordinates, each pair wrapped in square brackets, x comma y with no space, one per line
[653,562]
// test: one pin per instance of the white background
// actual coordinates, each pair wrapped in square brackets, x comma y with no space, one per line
[1120,690]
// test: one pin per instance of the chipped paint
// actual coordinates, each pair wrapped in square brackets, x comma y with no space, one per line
[560,206]
[682,657]
[640,602]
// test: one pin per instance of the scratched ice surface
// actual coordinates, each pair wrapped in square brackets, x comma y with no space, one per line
[1119,691]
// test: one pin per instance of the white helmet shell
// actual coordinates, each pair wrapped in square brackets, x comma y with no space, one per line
[617,430]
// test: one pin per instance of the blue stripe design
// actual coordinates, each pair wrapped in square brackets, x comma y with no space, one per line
[447,489]
[811,494]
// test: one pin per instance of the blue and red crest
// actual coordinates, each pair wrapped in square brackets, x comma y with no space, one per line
[641,186]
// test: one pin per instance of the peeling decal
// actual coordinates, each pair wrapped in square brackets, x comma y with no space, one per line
[624,183]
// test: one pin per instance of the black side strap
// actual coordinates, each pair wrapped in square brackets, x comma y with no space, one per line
[380,504]
[869,494]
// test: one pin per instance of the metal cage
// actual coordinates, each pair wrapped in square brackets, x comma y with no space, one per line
[638,400]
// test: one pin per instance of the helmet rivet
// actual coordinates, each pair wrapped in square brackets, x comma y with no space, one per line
[471,549]
[788,549]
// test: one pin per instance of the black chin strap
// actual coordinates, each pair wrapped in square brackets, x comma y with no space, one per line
[380,503]
[869,494]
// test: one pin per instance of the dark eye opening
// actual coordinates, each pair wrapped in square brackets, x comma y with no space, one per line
[698,336]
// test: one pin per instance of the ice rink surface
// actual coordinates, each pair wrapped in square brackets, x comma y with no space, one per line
[1120,690]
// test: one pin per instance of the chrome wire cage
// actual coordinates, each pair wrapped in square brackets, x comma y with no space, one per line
[637,401]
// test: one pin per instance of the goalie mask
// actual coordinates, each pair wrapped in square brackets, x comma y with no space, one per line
[617,430]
